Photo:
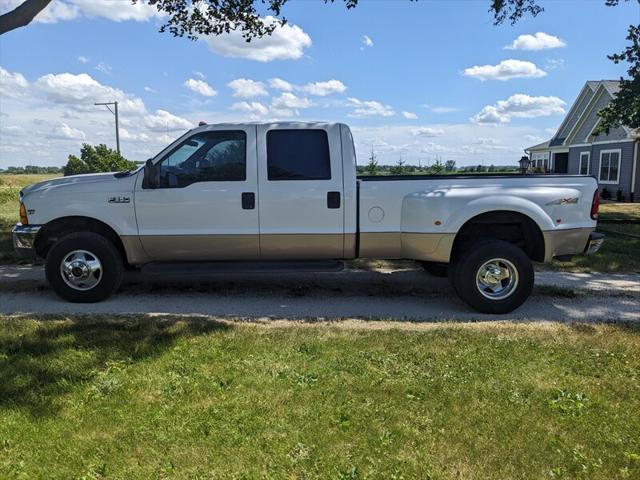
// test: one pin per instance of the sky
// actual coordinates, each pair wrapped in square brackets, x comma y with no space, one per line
[416,81]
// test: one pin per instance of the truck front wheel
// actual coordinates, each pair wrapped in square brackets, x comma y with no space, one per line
[493,276]
[84,267]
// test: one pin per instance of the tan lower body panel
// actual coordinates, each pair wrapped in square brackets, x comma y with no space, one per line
[301,246]
[565,242]
[434,247]
[173,248]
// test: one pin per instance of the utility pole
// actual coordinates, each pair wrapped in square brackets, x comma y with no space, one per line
[115,112]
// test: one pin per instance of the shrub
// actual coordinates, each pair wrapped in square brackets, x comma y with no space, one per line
[97,159]
[605,194]
[619,195]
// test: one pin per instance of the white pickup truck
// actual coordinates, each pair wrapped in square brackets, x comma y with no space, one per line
[286,196]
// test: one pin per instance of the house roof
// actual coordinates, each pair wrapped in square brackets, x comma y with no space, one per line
[611,86]
[540,146]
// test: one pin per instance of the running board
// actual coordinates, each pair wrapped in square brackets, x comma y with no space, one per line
[206,268]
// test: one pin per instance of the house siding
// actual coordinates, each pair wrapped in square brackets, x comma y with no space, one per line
[626,164]
[562,134]
[585,127]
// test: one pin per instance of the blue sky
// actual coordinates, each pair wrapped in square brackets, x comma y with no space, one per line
[425,80]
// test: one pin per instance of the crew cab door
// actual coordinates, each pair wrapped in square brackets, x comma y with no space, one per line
[301,194]
[205,206]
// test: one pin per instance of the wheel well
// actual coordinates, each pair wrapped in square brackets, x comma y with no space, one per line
[56,229]
[512,227]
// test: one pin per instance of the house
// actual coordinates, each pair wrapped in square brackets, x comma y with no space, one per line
[575,149]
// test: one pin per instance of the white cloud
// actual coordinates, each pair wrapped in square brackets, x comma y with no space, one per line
[254,109]
[290,101]
[163,121]
[366,41]
[245,88]
[287,42]
[83,59]
[104,68]
[127,136]
[199,74]
[280,84]
[81,91]
[505,70]
[116,10]
[369,108]
[201,87]
[519,106]
[149,89]
[537,41]
[322,89]
[65,132]
[410,115]
[427,132]
[442,109]
[12,84]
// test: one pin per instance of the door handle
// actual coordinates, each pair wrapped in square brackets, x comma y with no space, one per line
[333,199]
[248,200]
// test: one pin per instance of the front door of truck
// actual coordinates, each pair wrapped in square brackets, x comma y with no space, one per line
[301,199]
[205,207]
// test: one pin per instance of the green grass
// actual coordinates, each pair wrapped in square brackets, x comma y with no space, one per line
[161,398]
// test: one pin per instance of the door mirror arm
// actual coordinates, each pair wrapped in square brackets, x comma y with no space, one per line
[151,178]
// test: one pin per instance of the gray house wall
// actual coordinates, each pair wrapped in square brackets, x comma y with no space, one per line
[562,134]
[626,165]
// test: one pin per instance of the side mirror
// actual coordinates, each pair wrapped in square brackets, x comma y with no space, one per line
[151,177]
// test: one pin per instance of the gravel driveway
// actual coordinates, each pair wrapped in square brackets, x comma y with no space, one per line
[381,294]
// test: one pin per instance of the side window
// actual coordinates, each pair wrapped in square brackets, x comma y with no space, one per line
[218,156]
[584,163]
[298,155]
[609,167]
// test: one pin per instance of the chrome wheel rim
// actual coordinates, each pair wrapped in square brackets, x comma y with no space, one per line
[497,279]
[81,270]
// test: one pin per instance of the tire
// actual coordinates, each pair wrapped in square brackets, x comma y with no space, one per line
[85,281]
[434,268]
[507,280]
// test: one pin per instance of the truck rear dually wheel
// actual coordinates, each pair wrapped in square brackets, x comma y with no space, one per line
[84,267]
[493,276]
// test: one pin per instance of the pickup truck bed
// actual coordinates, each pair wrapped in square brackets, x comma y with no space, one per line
[289,192]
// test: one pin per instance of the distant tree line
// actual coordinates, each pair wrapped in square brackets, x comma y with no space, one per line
[31,169]
[92,160]
[437,168]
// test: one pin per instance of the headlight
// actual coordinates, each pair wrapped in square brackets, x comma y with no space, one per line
[24,220]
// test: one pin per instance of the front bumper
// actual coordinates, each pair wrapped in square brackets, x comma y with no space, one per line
[24,237]
[596,240]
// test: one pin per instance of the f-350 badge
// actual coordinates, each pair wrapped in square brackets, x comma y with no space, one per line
[119,200]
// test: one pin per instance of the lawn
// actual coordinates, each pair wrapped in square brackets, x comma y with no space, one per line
[194,398]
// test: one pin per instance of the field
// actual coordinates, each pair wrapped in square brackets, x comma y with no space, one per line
[619,253]
[157,398]
[10,186]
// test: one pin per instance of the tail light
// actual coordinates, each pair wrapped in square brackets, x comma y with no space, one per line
[595,205]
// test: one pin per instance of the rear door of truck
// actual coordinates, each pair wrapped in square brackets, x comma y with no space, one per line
[300,191]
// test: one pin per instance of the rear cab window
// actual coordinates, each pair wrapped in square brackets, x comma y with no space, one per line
[298,155]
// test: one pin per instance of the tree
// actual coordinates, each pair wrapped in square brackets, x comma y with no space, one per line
[450,165]
[398,168]
[97,159]
[372,166]
[624,109]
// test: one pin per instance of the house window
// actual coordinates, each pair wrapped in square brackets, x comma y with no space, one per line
[609,166]
[540,161]
[584,163]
